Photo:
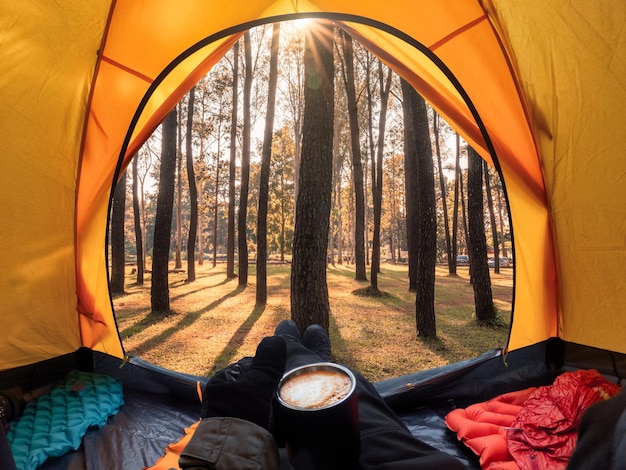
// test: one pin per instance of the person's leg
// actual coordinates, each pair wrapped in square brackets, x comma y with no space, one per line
[6,456]
[387,443]
[10,401]
[385,440]
[316,339]
[297,353]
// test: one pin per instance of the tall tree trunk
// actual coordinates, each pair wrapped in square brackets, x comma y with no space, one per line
[202,207]
[178,263]
[230,242]
[427,245]
[261,231]
[144,222]
[393,226]
[371,153]
[464,216]
[377,172]
[200,237]
[216,205]
[193,193]
[159,292]
[483,300]
[410,184]
[501,218]
[137,224]
[357,167]
[427,231]
[309,291]
[337,162]
[492,219]
[444,197]
[118,260]
[242,225]
[351,212]
[455,211]
[283,220]
[339,224]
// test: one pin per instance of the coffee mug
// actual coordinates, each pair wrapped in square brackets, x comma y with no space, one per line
[318,414]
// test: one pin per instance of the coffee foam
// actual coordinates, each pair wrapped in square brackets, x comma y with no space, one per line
[315,389]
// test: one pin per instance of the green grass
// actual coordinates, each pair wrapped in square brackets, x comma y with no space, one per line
[214,321]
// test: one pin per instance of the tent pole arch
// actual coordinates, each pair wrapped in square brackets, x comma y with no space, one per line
[78,89]
[236,31]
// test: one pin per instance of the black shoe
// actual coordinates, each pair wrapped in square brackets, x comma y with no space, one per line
[316,339]
[288,330]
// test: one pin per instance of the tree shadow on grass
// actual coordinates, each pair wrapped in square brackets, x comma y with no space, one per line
[232,347]
[184,322]
[340,352]
[199,289]
[227,355]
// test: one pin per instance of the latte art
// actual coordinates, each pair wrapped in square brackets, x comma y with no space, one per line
[315,389]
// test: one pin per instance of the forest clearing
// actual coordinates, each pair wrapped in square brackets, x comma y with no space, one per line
[214,321]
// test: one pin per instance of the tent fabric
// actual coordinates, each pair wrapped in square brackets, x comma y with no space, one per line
[537,84]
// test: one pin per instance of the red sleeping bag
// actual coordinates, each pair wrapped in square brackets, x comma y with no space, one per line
[533,428]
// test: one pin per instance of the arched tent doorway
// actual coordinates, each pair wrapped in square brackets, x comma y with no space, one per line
[419,64]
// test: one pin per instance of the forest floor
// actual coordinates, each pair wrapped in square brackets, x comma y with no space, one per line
[214,321]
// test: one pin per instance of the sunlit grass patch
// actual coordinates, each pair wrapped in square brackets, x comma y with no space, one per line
[214,321]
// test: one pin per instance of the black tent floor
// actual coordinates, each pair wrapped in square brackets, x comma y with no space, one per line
[160,404]
[134,438]
[139,433]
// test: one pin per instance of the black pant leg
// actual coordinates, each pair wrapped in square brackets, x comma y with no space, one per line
[6,456]
[386,443]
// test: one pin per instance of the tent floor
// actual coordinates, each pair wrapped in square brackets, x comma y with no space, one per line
[160,403]
[138,435]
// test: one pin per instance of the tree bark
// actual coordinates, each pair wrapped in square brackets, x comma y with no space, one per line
[426,248]
[410,184]
[481,281]
[444,196]
[501,217]
[377,172]
[455,211]
[193,193]
[118,261]
[230,243]
[137,223]
[357,166]
[492,219]
[159,292]
[464,216]
[427,245]
[216,207]
[178,262]
[261,235]
[309,291]
[242,220]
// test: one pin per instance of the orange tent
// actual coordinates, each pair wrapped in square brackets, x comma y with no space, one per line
[538,84]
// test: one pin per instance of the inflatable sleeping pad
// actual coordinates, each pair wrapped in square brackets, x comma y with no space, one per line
[57,421]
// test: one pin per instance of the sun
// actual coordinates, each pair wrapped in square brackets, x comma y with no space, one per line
[300,24]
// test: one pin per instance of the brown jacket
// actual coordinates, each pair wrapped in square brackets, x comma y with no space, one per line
[230,443]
